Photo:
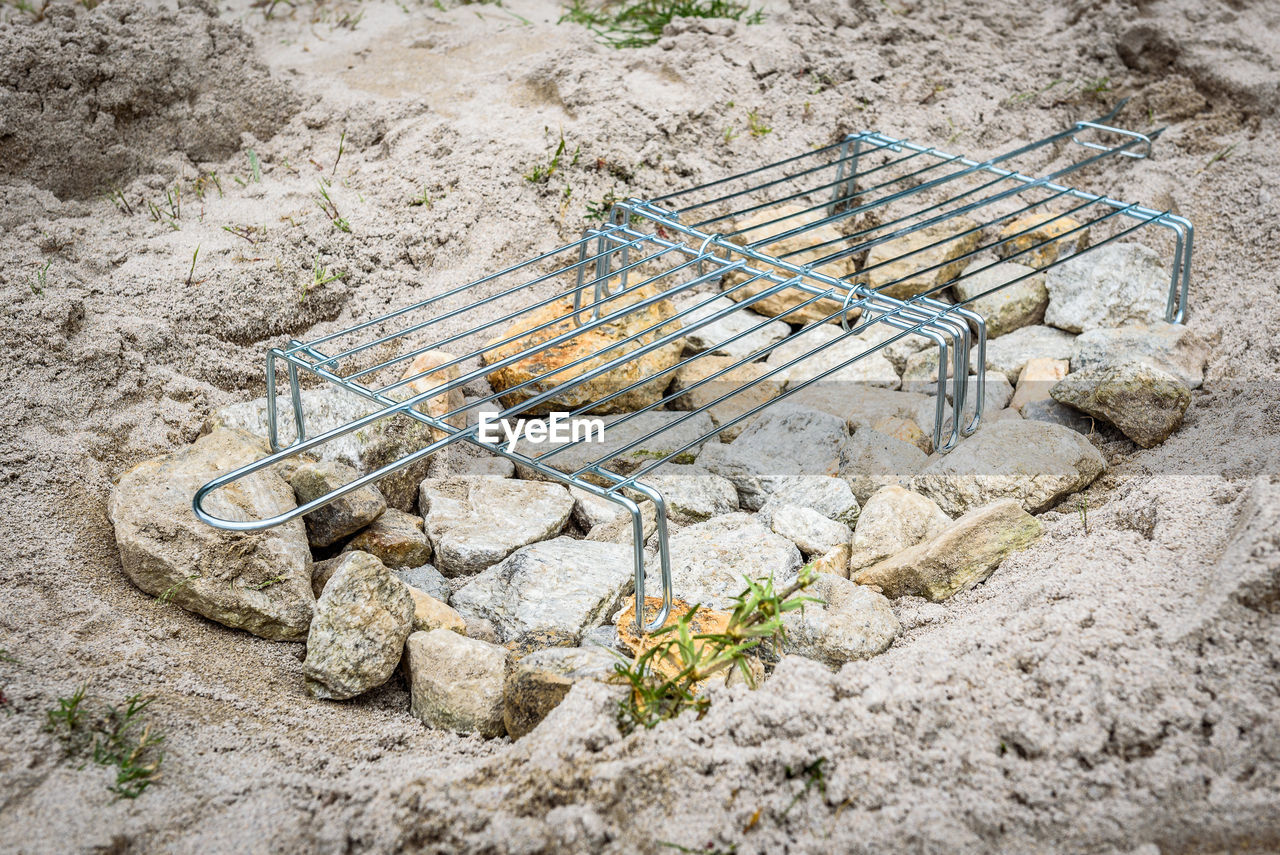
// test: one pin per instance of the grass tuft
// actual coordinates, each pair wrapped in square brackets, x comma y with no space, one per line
[540,174]
[640,23]
[330,209]
[756,619]
[110,735]
[319,276]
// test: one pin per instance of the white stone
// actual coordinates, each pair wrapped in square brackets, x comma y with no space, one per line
[715,335]
[813,533]
[852,622]
[710,559]
[874,369]
[893,519]
[1009,353]
[1111,286]
[456,682]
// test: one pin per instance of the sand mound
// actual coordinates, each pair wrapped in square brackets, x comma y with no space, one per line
[92,98]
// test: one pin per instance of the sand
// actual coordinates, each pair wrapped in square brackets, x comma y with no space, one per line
[1108,691]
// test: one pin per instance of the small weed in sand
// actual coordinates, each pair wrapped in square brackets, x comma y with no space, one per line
[1222,155]
[252,234]
[815,777]
[330,209]
[640,23]
[37,13]
[342,144]
[730,135]
[599,211]
[171,211]
[756,619]
[541,174]
[192,271]
[423,199]
[110,735]
[41,278]
[168,592]
[118,199]
[756,125]
[320,276]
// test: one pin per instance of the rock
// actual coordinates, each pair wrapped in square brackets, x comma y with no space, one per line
[892,520]
[1008,415]
[426,579]
[1012,307]
[835,562]
[1059,414]
[475,522]
[1041,227]
[963,555]
[898,345]
[425,374]
[1146,403]
[715,336]
[901,257]
[589,344]
[921,372]
[536,684]
[785,440]
[365,450]
[831,497]
[256,581]
[851,622]
[1037,378]
[345,515]
[322,572]
[482,629]
[456,682]
[710,559]
[692,493]
[1170,347]
[589,510]
[660,433]
[867,407]
[704,621]
[813,533]
[463,458]
[431,613]
[872,460]
[996,394]
[1111,286]
[906,430]
[798,249]
[552,591]
[1009,353]
[397,540]
[1034,462]
[873,369]
[621,529]
[357,636]
[743,398]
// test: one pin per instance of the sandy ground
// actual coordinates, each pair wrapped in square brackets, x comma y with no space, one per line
[1108,691]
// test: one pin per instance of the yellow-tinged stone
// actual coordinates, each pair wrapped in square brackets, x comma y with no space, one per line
[432,376]
[1037,378]
[903,257]
[704,621]
[587,343]
[1039,229]
[429,613]
[744,398]
[835,562]
[906,430]
[815,242]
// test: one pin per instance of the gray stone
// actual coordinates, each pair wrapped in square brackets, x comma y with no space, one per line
[829,496]
[1110,286]
[456,682]
[747,387]
[427,579]
[1051,411]
[255,581]
[662,432]
[786,440]
[692,494]
[549,593]
[1013,306]
[921,372]
[345,515]
[813,533]
[964,554]
[861,407]
[604,636]
[397,540]
[463,458]
[897,351]
[710,559]
[589,510]
[852,622]
[1145,402]
[923,259]
[1170,347]
[537,683]
[621,529]
[366,450]
[872,460]
[996,396]
[715,335]
[1009,353]
[475,522]
[874,369]
[1034,462]
[894,519]
[357,636]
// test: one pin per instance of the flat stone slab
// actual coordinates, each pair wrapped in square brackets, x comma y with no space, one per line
[710,559]
[1110,286]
